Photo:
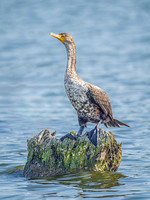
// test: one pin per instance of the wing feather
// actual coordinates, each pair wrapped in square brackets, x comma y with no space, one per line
[101,99]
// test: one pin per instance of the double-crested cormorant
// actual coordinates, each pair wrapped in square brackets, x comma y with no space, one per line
[91,102]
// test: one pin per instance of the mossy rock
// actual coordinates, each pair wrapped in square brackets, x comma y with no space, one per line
[49,156]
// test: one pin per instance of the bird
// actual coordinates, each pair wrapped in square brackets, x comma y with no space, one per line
[91,103]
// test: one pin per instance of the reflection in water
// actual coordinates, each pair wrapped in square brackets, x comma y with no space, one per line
[80,184]
[17,170]
[92,180]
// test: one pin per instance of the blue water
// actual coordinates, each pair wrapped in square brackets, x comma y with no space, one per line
[113,52]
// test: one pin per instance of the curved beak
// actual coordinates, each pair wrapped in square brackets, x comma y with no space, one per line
[59,37]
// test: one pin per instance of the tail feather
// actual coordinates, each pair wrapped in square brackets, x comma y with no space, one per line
[112,123]
[109,124]
[115,123]
[106,125]
[120,123]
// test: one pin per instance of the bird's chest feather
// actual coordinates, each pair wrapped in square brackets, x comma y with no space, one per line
[77,93]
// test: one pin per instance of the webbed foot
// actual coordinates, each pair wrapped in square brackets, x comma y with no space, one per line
[73,135]
[70,136]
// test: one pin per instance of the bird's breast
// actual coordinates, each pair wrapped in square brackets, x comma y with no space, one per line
[77,93]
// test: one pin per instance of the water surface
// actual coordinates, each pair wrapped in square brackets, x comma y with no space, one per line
[113,52]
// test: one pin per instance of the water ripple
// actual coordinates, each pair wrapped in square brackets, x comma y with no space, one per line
[113,45]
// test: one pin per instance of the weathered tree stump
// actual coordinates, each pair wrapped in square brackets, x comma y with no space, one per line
[49,156]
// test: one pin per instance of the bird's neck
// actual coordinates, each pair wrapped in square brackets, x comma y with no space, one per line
[71,60]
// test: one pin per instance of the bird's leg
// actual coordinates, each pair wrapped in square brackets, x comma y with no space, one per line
[94,134]
[80,131]
[98,126]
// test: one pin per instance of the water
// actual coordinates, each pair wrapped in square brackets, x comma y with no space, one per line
[113,52]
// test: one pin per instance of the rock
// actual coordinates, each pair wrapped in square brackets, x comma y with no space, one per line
[49,156]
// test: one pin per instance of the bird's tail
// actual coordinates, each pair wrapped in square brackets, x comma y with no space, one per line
[115,123]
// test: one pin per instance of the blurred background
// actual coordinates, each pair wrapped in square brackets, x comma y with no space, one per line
[113,52]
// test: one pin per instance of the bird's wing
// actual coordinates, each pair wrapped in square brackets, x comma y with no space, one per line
[100,98]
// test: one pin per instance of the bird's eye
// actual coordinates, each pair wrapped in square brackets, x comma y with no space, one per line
[62,36]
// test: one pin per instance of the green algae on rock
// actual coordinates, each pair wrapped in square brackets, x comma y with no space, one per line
[49,156]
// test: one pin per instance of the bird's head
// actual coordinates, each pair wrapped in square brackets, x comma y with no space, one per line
[65,38]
